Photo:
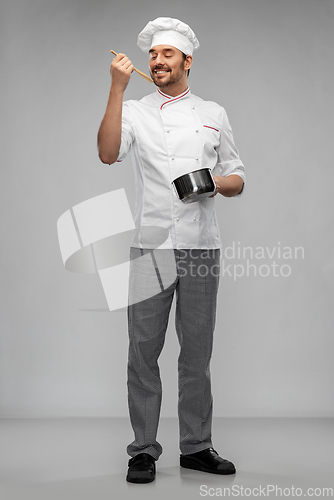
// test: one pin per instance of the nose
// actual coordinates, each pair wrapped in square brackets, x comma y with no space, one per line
[159,59]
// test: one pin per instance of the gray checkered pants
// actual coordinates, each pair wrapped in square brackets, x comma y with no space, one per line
[194,275]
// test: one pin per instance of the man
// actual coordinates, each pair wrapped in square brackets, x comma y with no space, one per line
[169,133]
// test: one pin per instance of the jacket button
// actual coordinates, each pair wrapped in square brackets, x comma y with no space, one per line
[177,218]
[194,218]
[196,159]
[172,158]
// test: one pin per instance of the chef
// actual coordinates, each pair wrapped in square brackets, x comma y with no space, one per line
[169,133]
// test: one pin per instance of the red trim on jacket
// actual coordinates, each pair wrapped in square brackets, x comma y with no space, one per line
[207,126]
[165,95]
[175,99]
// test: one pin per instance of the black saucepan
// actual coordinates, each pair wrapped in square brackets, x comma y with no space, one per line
[195,185]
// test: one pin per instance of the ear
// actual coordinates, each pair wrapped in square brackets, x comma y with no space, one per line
[188,62]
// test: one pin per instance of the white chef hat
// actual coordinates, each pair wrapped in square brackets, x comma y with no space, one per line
[168,31]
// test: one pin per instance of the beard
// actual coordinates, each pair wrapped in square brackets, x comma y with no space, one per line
[170,78]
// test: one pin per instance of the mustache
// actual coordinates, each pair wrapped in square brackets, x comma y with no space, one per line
[161,68]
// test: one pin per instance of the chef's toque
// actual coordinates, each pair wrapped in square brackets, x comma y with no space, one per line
[168,31]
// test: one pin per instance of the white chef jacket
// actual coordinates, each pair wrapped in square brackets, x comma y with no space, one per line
[168,137]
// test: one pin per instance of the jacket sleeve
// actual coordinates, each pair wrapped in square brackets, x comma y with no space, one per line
[229,162]
[127,132]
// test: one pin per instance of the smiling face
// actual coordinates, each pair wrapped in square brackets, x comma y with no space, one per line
[168,68]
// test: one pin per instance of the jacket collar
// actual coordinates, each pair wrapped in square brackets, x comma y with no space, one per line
[166,99]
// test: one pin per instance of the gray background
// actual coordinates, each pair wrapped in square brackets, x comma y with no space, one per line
[269,63]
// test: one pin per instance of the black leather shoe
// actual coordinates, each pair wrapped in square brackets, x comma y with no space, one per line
[141,469]
[207,461]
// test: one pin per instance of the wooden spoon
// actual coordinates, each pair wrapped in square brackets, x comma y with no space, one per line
[147,78]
